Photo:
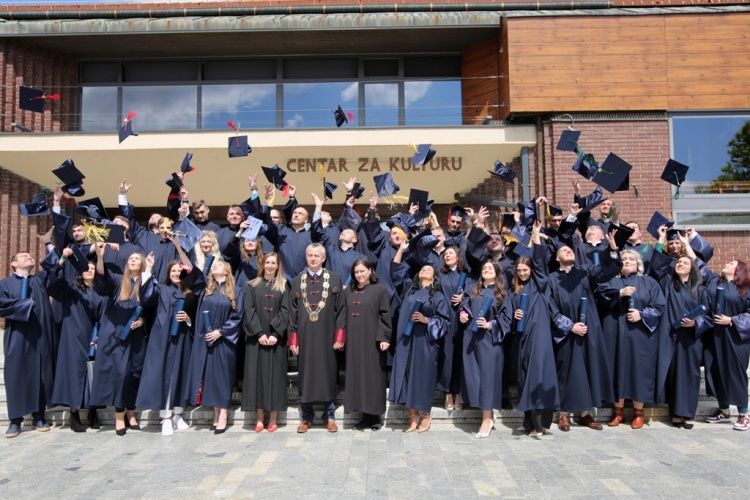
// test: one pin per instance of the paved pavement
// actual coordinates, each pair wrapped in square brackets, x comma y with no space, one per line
[447,462]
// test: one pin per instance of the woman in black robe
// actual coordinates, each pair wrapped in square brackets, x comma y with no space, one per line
[727,347]
[168,355]
[414,374]
[482,351]
[212,361]
[632,306]
[119,362]
[266,324]
[450,366]
[368,323]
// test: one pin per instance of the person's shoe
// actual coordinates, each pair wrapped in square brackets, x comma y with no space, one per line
[413,421]
[677,422]
[742,424]
[365,422]
[564,423]
[273,426]
[220,431]
[167,427]
[134,426]
[482,435]
[94,419]
[303,427]
[588,421]
[331,425]
[375,423]
[449,402]
[179,423]
[39,424]
[617,416]
[424,425]
[719,417]
[688,424]
[259,426]
[638,420]
[75,422]
[14,429]
[121,432]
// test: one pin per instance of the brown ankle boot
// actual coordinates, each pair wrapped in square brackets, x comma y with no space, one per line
[617,417]
[564,423]
[637,422]
[413,421]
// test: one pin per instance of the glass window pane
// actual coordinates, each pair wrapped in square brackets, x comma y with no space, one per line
[432,103]
[716,149]
[99,109]
[171,107]
[253,106]
[715,220]
[381,104]
[309,105]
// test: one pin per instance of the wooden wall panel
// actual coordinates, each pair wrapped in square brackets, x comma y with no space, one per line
[480,94]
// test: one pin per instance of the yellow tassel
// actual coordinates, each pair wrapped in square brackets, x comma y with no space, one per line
[94,232]
[433,220]
[322,170]
[395,200]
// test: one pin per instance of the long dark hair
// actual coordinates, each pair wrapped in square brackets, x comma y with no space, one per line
[694,280]
[499,282]
[515,283]
[434,286]
[460,266]
[362,262]
[741,278]
[168,280]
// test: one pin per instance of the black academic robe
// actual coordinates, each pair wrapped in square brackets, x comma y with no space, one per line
[207,226]
[117,371]
[211,370]
[368,323]
[265,379]
[583,371]
[337,260]
[292,246]
[726,349]
[29,368]
[415,371]
[482,351]
[164,250]
[450,361]
[318,368]
[632,348]
[167,356]
[683,347]
[115,260]
[645,251]
[244,270]
[476,254]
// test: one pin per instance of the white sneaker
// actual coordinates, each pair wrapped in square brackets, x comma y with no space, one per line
[166,427]
[743,423]
[179,423]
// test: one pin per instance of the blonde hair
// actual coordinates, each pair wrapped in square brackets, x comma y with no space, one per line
[200,257]
[278,283]
[126,293]
[228,289]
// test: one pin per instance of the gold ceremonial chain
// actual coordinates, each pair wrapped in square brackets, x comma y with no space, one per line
[323,296]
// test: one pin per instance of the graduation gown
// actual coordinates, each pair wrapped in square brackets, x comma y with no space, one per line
[164,250]
[265,378]
[450,361]
[27,344]
[632,348]
[167,356]
[212,366]
[583,371]
[318,368]
[116,260]
[726,349]
[291,246]
[368,321]
[117,371]
[482,383]
[683,347]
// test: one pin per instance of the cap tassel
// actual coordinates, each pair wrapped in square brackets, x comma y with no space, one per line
[130,116]
[94,232]
[677,193]
[350,115]
[635,190]
[322,171]
[285,191]
[395,200]
[236,129]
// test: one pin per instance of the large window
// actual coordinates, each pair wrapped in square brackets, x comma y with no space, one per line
[271,93]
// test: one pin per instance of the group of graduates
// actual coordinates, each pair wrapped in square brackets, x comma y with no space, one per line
[577,314]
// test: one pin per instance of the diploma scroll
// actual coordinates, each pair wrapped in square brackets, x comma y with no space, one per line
[701,309]
[208,264]
[596,258]
[126,330]
[461,284]
[178,308]
[24,288]
[410,324]
[719,306]
[94,337]
[482,313]
[523,306]
[583,310]
[207,324]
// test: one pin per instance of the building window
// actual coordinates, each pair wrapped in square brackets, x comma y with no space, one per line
[310,105]
[432,103]
[248,105]
[168,107]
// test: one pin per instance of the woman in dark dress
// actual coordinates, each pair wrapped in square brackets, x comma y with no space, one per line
[168,355]
[414,374]
[482,384]
[449,365]
[212,361]
[632,306]
[207,246]
[119,362]
[368,323]
[727,346]
[266,324]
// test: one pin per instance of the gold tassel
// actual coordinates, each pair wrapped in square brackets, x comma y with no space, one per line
[94,232]
[395,200]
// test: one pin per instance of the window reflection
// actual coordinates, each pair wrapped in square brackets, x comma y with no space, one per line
[99,109]
[162,107]
[381,104]
[310,105]
[253,106]
[432,103]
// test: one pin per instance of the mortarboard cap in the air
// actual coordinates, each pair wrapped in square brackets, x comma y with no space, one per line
[79,260]
[187,233]
[357,191]
[186,166]
[342,117]
[568,140]
[329,188]
[127,129]
[508,220]
[275,175]
[251,205]
[384,184]
[528,212]
[591,201]
[584,165]
[174,182]
[419,198]
[674,172]
[31,99]
[238,146]
[423,154]
[622,235]
[116,234]
[251,233]
[612,173]
[502,172]
[92,209]
[658,220]
[71,178]
[37,206]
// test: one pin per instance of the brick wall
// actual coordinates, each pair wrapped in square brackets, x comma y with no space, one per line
[55,73]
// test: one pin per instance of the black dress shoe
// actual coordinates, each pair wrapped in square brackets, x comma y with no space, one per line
[75,422]
[375,423]
[678,423]
[687,425]
[94,419]
[121,432]
[220,431]
[362,424]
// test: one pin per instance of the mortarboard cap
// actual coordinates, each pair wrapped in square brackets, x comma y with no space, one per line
[71,178]
[31,99]
[342,117]
[458,211]
[658,220]
[275,175]
[384,184]
[568,228]
[503,172]
[186,166]
[674,172]
[674,234]
[37,206]
[592,200]
[403,221]
[612,173]
[127,129]
[251,205]
[116,234]
[622,235]
[92,209]
[508,220]
[423,154]
[79,260]
[419,198]
[357,191]
[528,212]
[584,165]
[251,233]
[554,211]
[187,233]
[238,146]
[568,140]
[523,248]
[174,182]
[329,188]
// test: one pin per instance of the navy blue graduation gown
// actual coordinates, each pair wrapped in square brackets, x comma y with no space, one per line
[450,361]
[632,348]
[476,254]
[291,246]
[337,260]
[116,260]
[212,366]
